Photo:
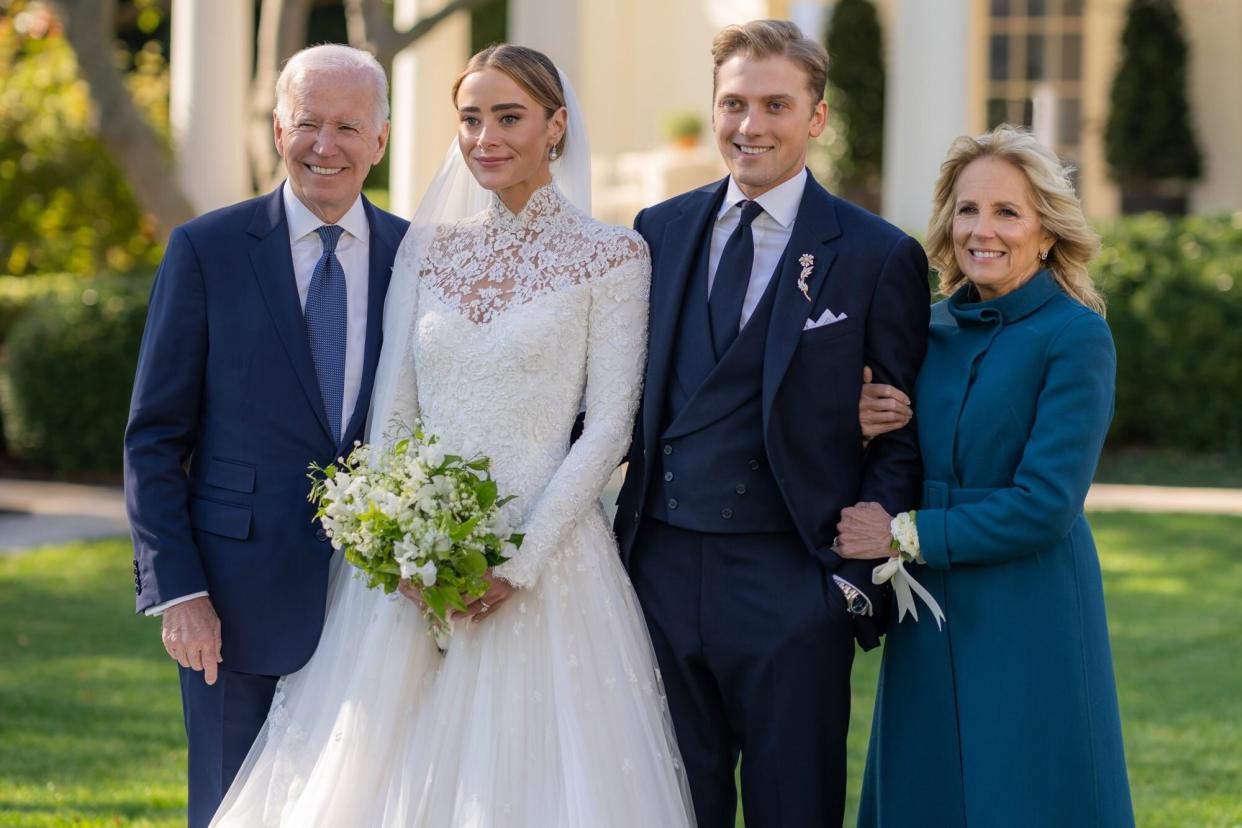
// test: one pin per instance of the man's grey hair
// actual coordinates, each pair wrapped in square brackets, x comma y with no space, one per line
[332,56]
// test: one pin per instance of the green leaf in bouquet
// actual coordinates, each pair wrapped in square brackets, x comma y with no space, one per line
[454,599]
[505,500]
[480,464]
[516,539]
[435,600]
[462,530]
[390,567]
[474,563]
[485,491]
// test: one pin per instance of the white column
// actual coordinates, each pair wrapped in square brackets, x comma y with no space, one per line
[423,118]
[926,106]
[552,27]
[211,47]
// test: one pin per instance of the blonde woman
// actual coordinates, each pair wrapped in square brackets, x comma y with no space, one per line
[1008,715]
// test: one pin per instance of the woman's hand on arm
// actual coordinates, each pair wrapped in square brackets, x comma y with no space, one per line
[881,408]
[864,532]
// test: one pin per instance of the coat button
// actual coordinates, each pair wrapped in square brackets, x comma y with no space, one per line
[320,534]
[672,503]
[754,464]
[668,449]
[668,477]
[635,515]
[726,513]
[740,488]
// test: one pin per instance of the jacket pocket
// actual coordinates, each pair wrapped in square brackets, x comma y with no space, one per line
[826,333]
[230,474]
[225,519]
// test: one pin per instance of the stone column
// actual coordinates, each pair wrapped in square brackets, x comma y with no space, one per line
[212,42]
[926,106]
[423,118]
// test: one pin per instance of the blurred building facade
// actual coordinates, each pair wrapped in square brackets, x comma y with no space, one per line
[954,67]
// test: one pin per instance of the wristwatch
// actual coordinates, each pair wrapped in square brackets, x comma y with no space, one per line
[856,603]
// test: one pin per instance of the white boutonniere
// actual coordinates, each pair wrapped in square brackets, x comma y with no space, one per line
[808,267]
[905,543]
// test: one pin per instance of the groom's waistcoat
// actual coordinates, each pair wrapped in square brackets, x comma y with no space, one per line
[712,472]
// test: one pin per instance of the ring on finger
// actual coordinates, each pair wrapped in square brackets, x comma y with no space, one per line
[486,606]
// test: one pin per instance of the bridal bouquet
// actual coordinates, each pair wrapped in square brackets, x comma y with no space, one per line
[414,512]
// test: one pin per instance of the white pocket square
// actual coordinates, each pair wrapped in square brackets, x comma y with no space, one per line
[825,318]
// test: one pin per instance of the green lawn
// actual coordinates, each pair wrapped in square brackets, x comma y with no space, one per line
[90,712]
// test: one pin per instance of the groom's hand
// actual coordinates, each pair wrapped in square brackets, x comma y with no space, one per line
[192,636]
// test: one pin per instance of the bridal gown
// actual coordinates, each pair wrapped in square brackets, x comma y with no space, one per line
[550,712]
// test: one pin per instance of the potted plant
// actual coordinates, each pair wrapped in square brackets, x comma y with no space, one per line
[684,128]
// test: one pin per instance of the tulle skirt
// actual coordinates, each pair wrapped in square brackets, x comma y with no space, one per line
[548,714]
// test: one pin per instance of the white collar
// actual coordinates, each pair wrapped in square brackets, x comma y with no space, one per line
[780,203]
[302,222]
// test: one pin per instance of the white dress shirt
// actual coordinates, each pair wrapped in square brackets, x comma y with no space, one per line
[771,229]
[353,252]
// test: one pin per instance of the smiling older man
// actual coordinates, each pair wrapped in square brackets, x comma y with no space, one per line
[258,358]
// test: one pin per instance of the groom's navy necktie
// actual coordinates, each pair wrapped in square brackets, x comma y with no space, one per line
[728,292]
[326,325]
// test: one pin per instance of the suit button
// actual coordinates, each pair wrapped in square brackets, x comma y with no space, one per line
[726,513]
[635,515]
[668,477]
[320,534]
[668,449]
[740,488]
[672,503]
[754,464]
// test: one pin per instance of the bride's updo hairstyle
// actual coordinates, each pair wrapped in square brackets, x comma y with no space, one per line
[533,71]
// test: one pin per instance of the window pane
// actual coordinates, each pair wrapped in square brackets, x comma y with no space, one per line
[997,112]
[1036,8]
[1072,8]
[1069,122]
[1071,57]
[1001,8]
[998,58]
[1035,57]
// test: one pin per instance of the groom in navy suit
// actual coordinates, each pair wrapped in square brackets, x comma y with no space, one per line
[258,358]
[769,295]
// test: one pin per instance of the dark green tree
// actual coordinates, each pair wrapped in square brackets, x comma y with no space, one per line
[1148,139]
[856,94]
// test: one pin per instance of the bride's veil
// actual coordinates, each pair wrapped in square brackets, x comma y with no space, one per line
[454,195]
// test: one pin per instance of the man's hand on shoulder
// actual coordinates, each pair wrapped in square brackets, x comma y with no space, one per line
[192,636]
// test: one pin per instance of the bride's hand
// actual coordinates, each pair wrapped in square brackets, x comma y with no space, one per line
[499,591]
[403,586]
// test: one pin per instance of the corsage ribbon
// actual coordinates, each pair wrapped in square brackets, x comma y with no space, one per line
[894,570]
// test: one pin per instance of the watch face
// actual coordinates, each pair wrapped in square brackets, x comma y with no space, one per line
[858,604]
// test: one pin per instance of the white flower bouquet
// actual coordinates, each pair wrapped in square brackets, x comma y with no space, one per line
[416,513]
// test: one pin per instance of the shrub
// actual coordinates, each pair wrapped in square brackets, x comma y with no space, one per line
[1174,290]
[68,372]
[855,91]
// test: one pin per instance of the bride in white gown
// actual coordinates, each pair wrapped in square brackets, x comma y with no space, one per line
[500,325]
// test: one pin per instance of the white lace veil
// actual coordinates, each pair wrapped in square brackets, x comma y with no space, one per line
[454,194]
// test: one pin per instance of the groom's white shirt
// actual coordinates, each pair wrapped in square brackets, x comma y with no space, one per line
[353,252]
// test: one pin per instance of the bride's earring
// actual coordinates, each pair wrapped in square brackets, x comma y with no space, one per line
[554,154]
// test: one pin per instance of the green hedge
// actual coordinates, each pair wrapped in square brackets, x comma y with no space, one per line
[1174,289]
[68,370]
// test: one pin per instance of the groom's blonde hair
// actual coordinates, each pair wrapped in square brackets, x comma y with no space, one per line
[761,39]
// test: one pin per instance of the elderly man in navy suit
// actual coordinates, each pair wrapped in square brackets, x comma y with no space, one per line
[258,358]
[769,295]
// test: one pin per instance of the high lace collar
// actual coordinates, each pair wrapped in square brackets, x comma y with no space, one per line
[544,206]
[1011,307]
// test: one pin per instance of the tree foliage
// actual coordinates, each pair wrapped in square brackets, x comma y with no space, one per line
[856,90]
[1148,136]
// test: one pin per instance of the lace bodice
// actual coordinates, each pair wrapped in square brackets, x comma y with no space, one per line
[521,321]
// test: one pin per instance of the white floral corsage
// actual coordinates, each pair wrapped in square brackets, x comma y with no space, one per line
[905,543]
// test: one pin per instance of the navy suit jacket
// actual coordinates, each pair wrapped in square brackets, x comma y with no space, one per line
[225,417]
[864,268]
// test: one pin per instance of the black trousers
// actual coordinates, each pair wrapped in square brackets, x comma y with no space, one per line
[221,723]
[755,647]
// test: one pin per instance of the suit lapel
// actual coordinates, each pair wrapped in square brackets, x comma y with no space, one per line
[382,249]
[682,238]
[273,268]
[814,229]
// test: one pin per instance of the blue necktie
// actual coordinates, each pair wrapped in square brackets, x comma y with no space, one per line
[728,293]
[326,326]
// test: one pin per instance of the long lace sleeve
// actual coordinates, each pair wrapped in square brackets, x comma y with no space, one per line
[394,400]
[616,353]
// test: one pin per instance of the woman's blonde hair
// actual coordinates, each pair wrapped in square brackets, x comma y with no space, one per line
[1052,194]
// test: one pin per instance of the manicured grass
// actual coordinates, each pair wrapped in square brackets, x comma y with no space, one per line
[90,711]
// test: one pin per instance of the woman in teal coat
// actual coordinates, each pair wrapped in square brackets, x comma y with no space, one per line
[1006,716]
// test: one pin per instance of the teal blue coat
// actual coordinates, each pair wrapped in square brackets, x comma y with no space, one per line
[1008,716]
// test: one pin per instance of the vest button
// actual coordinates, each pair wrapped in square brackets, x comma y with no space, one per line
[740,488]
[668,449]
[672,503]
[726,513]
[320,534]
[754,464]
[668,477]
